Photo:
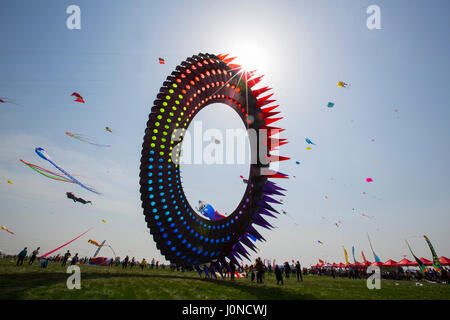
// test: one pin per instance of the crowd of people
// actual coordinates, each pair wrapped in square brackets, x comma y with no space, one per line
[257,270]
[391,273]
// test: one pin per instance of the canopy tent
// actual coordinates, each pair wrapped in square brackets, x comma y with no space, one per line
[377,264]
[426,262]
[406,263]
[390,263]
[444,261]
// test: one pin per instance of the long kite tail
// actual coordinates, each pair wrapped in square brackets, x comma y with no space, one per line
[43,256]
[72,178]
[41,153]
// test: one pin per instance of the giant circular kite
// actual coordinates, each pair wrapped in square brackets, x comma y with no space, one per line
[183,236]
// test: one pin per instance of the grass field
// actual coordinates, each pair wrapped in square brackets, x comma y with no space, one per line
[32,282]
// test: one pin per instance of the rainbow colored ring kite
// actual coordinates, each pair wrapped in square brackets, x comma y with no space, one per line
[184,237]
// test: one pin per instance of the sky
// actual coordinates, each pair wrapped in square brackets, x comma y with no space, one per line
[390,125]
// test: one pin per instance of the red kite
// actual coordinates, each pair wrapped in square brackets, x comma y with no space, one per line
[79,97]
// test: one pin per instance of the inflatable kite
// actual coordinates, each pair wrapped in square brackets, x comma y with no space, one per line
[70,195]
[185,237]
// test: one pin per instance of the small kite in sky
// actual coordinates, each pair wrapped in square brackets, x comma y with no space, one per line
[108,129]
[319,241]
[70,195]
[365,215]
[161,61]
[85,138]
[326,197]
[103,220]
[342,84]
[95,243]
[79,97]
[309,141]
[395,110]
[369,179]
[308,148]
[297,162]
[245,181]
[330,105]
[4,228]
[241,176]
[6,100]
[10,182]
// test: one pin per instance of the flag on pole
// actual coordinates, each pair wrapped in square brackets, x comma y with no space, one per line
[346,256]
[419,262]
[436,263]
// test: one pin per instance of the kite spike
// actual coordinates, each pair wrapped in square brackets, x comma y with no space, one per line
[265,115]
[227,61]
[262,103]
[266,212]
[232,258]
[266,97]
[269,121]
[276,158]
[235,67]
[249,74]
[253,82]
[257,92]
[224,56]
[270,199]
[273,174]
[258,220]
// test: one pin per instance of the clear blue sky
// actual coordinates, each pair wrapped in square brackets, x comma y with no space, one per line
[304,48]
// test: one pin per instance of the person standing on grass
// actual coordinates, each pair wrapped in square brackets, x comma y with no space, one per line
[298,270]
[66,257]
[279,275]
[259,270]
[33,256]
[233,270]
[143,264]
[287,269]
[21,256]
[75,259]
[125,262]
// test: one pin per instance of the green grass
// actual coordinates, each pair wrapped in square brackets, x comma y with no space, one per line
[32,282]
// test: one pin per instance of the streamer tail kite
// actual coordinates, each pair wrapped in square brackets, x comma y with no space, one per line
[41,153]
[50,252]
